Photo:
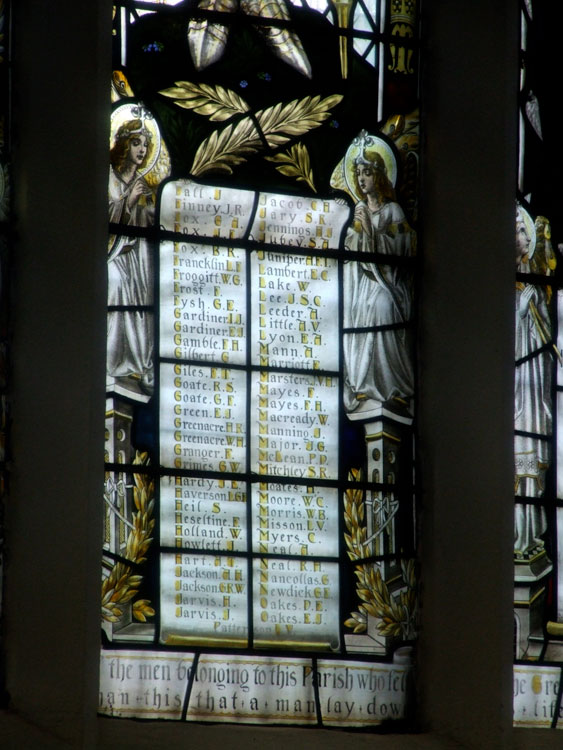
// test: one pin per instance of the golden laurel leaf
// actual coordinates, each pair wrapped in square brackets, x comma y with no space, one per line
[121,584]
[295,163]
[142,610]
[227,148]
[295,118]
[223,150]
[360,581]
[128,596]
[370,609]
[215,102]
[380,601]
[390,629]
[353,501]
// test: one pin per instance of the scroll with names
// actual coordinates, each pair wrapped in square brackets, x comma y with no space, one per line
[249,402]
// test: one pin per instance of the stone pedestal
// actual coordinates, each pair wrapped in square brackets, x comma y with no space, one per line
[118,515]
[117,487]
[530,581]
[385,439]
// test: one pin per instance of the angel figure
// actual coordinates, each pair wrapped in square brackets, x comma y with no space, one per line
[377,362]
[532,403]
[130,265]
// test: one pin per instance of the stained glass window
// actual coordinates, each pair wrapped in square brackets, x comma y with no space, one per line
[538,533]
[259,556]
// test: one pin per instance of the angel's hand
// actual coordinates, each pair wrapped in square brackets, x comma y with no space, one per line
[527,296]
[362,215]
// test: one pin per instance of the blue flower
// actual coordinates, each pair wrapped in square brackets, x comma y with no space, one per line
[153,47]
[243,84]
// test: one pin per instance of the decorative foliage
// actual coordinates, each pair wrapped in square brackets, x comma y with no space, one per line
[404,132]
[142,610]
[215,102]
[354,514]
[122,585]
[295,118]
[229,147]
[295,163]
[396,612]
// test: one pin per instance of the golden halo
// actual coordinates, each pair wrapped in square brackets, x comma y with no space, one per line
[523,216]
[132,111]
[366,143]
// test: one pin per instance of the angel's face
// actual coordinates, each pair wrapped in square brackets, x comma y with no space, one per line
[365,177]
[522,240]
[138,149]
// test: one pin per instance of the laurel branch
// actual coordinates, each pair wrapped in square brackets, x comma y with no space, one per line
[273,126]
[215,102]
[295,163]
[396,613]
[121,585]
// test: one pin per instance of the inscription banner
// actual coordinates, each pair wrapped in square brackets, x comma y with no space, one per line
[143,685]
[354,694]
[276,690]
[535,692]
[239,688]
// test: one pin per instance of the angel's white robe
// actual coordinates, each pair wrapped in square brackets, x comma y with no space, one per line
[130,279]
[532,413]
[377,364]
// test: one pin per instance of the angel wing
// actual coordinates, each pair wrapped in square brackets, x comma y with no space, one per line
[120,87]
[207,40]
[544,260]
[284,43]
[533,113]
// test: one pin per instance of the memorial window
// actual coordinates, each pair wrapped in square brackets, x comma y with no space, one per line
[538,414]
[259,557]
